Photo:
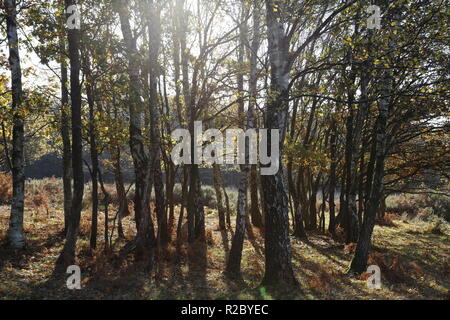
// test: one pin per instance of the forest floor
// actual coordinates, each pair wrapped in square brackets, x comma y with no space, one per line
[414,258]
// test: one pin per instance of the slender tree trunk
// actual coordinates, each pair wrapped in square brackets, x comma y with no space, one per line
[67,256]
[351,222]
[233,267]
[278,268]
[65,135]
[313,202]
[121,194]
[106,201]
[219,197]
[219,183]
[333,145]
[170,195]
[358,155]
[323,208]
[194,193]
[361,187]
[370,168]
[90,92]
[364,111]
[183,205]
[15,234]
[192,204]
[227,201]
[299,198]
[95,165]
[176,59]
[145,240]
[309,203]
[294,188]
[200,227]
[340,216]
[177,54]
[6,147]
[154,29]
[359,262]
[161,213]
[351,225]
[255,212]
[379,151]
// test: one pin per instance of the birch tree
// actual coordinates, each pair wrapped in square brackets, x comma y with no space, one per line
[67,256]
[145,240]
[15,236]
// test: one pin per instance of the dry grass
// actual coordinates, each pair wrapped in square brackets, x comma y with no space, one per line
[415,264]
[387,220]
[322,280]
[5,188]
[420,206]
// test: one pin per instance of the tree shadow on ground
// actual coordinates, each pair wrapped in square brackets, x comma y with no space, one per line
[17,258]
[198,265]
